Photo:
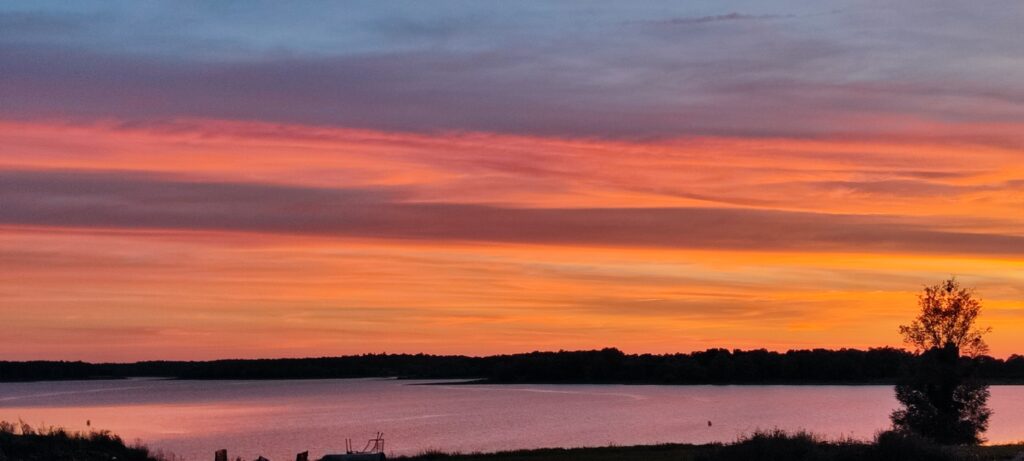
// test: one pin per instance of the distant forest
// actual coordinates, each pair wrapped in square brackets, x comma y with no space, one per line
[713,366]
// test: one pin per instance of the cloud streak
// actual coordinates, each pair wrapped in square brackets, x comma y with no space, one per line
[440,74]
[127,201]
[734,16]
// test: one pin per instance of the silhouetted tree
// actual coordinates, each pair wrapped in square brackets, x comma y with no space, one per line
[948,315]
[941,398]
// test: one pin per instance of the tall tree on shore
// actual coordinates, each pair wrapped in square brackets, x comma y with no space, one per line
[941,398]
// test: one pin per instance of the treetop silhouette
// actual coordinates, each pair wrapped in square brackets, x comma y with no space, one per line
[948,315]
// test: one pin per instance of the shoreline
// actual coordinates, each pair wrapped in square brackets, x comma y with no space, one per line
[491,382]
[22,442]
[771,445]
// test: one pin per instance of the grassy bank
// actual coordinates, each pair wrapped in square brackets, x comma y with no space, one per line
[21,442]
[762,446]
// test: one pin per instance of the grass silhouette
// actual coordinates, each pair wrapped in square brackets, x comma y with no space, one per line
[22,442]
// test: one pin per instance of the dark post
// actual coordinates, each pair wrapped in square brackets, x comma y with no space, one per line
[304,456]
[221,455]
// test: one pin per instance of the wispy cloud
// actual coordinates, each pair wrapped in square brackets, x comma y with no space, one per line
[127,201]
[777,77]
[734,16]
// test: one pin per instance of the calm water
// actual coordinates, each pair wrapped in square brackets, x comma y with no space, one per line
[280,418]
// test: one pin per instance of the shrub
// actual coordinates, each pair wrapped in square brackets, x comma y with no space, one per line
[22,442]
[908,446]
[778,445]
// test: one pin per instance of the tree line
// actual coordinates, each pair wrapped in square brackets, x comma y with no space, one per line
[713,366]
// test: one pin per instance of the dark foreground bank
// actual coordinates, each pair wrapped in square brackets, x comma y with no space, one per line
[762,446]
[23,443]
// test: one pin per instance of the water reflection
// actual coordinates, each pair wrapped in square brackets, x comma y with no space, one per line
[280,418]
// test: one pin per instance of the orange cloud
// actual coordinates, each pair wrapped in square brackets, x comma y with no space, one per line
[205,238]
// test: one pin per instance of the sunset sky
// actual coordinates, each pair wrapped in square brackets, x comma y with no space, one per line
[202,180]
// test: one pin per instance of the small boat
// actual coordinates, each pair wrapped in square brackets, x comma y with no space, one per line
[355,457]
[373,451]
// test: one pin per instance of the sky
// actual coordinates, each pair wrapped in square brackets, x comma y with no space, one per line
[198,180]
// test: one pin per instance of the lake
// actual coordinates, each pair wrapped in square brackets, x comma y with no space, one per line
[277,419]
